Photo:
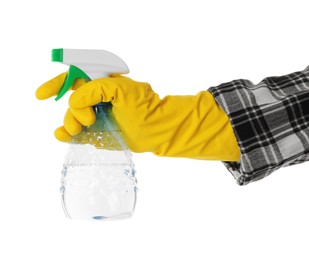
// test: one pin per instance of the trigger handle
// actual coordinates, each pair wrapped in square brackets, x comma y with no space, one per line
[73,74]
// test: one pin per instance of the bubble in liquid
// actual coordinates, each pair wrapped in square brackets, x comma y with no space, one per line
[104,140]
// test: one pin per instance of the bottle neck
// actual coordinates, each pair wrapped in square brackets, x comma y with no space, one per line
[102,107]
[104,117]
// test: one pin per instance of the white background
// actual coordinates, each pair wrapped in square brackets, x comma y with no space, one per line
[186,209]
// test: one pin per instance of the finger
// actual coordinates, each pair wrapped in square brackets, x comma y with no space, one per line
[71,125]
[84,116]
[62,135]
[51,87]
[78,82]
[115,75]
[94,92]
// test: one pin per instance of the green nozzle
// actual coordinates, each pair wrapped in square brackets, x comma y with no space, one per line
[73,74]
[57,55]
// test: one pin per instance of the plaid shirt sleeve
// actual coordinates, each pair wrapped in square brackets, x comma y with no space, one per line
[270,121]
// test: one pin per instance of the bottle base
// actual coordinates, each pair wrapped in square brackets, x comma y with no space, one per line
[119,217]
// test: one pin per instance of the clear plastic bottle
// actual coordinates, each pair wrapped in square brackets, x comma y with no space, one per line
[98,177]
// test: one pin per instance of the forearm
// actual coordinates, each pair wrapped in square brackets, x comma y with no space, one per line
[191,127]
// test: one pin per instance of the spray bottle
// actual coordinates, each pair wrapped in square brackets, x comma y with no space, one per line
[98,177]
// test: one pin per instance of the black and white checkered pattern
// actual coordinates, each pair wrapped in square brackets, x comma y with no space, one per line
[270,121]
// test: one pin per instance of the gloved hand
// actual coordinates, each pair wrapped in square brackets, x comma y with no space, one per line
[177,126]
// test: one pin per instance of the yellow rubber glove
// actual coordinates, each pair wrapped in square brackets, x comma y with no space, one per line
[177,126]
[50,89]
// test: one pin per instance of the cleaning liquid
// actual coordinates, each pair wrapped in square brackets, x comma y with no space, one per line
[98,177]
